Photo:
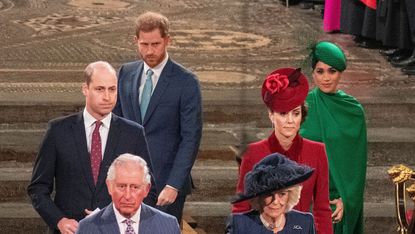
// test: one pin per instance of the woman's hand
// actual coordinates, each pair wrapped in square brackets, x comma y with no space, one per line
[338,213]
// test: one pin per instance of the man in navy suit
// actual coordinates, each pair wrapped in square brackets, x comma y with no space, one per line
[78,149]
[128,183]
[165,98]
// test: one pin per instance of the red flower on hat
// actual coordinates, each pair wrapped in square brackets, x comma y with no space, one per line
[276,83]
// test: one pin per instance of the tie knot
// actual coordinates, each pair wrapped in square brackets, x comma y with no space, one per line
[149,73]
[98,124]
[129,222]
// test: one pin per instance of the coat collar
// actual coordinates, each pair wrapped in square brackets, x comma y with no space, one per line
[109,222]
[292,153]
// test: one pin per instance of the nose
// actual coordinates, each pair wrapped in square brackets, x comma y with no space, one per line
[276,199]
[326,77]
[290,118]
[127,194]
[150,50]
[106,95]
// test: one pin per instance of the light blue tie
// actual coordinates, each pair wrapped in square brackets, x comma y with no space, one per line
[145,97]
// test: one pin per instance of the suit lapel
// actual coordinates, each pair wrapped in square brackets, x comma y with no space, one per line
[109,155]
[136,91]
[109,222]
[162,84]
[78,129]
[144,226]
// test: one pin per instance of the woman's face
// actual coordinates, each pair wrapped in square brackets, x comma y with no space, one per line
[276,204]
[326,77]
[286,124]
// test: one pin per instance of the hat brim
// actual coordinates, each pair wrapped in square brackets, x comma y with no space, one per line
[297,180]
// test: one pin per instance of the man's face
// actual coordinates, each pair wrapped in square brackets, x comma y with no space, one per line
[152,47]
[101,93]
[128,189]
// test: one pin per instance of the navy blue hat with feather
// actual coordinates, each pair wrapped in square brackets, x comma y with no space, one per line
[273,173]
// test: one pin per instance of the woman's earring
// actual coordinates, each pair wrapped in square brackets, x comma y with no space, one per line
[272,124]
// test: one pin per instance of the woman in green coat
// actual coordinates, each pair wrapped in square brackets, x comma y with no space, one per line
[338,120]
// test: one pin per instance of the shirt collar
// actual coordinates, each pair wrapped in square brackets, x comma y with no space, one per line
[120,219]
[157,69]
[89,120]
[292,153]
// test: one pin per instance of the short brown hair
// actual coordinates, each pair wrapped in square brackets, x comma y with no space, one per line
[149,21]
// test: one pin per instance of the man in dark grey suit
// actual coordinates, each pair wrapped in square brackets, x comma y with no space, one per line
[78,149]
[128,183]
[165,98]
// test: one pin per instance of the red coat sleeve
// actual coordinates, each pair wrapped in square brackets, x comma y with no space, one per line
[246,166]
[321,207]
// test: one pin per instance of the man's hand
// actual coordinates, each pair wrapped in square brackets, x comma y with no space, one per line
[338,213]
[167,196]
[67,226]
[88,212]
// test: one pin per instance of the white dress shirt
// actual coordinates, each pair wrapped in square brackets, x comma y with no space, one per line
[121,219]
[156,75]
[89,123]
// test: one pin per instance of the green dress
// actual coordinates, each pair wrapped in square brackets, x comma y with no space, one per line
[338,120]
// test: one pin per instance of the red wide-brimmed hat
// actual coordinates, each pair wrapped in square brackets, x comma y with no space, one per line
[284,89]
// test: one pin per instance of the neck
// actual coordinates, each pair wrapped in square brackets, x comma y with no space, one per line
[285,142]
[273,224]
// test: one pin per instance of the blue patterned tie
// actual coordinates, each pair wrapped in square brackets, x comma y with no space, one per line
[129,229]
[145,97]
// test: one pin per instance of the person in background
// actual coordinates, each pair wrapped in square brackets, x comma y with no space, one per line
[284,92]
[165,98]
[77,150]
[337,119]
[128,183]
[273,188]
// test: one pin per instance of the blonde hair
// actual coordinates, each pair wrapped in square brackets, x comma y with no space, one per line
[294,194]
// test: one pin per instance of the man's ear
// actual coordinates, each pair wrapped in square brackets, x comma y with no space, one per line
[109,186]
[168,40]
[147,189]
[84,89]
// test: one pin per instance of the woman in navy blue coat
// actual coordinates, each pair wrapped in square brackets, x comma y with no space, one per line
[273,188]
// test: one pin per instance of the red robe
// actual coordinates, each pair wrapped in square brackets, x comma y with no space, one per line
[370,3]
[315,190]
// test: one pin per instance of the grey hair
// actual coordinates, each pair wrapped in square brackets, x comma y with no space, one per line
[125,159]
[89,70]
[294,194]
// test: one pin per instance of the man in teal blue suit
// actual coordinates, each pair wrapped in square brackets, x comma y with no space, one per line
[165,98]
[128,183]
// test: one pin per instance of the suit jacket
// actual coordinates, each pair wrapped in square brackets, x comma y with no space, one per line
[296,223]
[151,221]
[63,161]
[173,122]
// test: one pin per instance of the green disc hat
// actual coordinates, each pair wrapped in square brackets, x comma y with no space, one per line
[330,54]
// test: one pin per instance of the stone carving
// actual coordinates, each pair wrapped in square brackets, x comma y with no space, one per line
[56,23]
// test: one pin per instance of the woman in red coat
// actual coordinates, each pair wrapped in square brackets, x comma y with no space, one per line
[284,92]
